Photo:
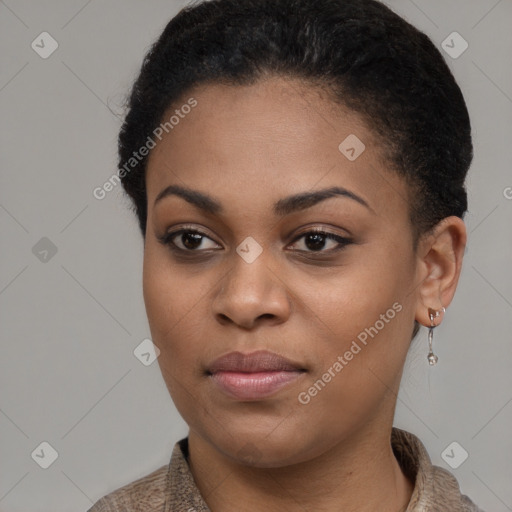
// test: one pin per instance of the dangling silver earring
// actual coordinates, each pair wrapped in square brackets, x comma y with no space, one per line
[432,313]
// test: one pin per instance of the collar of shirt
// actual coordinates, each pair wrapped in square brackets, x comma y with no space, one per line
[172,488]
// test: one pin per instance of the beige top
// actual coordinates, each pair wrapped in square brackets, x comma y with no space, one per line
[172,488]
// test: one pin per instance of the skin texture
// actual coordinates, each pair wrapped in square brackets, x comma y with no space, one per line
[248,147]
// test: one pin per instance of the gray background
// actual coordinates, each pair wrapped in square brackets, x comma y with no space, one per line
[70,323]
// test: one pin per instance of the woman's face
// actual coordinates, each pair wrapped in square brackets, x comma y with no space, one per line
[256,282]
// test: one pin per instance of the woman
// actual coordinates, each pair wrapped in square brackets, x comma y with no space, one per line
[297,169]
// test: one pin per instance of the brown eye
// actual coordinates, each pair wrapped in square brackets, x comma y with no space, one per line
[191,240]
[185,240]
[316,241]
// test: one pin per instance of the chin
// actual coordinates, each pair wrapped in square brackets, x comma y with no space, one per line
[256,448]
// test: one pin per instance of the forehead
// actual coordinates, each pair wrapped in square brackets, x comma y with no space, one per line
[267,138]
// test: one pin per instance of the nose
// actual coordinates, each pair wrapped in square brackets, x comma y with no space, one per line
[250,294]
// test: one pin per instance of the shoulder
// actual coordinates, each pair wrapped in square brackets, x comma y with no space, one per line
[446,484]
[435,488]
[146,493]
[170,487]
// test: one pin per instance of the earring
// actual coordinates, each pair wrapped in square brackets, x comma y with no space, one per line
[432,313]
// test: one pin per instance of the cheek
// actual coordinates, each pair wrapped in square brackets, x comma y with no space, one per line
[174,306]
[358,365]
[177,308]
[168,294]
[354,297]
[167,300]
[364,319]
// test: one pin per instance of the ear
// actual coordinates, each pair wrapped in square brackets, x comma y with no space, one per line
[439,264]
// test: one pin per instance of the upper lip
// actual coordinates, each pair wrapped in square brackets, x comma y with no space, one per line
[260,361]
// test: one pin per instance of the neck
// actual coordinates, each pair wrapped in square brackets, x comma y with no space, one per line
[359,474]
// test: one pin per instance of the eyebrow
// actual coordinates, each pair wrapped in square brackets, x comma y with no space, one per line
[282,207]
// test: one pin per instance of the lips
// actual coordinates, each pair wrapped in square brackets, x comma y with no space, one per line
[261,361]
[253,376]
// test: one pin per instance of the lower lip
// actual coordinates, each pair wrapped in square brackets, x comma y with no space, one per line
[254,386]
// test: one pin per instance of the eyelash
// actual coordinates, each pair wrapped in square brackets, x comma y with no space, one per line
[167,239]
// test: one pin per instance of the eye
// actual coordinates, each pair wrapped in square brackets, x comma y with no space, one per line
[186,240]
[316,239]
[191,240]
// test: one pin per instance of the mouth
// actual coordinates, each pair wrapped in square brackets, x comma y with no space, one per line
[253,376]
